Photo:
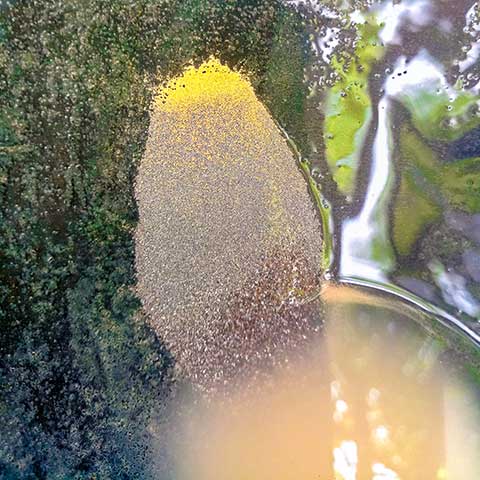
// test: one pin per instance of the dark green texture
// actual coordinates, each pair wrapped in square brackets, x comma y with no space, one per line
[80,369]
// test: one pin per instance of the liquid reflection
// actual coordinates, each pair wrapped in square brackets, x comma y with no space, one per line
[372,398]
[398,84]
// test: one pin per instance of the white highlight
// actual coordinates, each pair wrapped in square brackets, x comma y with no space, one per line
[418,13]
[381,434]
[345,460]
[328,43]
[369,230]
[472,56]
[360,233]
[381,472]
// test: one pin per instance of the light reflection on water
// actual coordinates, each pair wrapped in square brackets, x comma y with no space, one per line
[373,397]
[404,191]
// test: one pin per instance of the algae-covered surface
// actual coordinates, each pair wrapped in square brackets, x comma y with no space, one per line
[81,368]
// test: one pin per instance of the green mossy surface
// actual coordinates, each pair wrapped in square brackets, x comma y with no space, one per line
[430,185]
[437,114]
[348,107]
[80,369]
[282,88]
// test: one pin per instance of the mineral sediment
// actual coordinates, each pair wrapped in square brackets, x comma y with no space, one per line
[228,246]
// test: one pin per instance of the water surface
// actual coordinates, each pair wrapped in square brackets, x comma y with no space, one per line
[373,396]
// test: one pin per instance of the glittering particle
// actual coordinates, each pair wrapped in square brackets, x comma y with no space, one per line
[210,83]
[228,246]
[381,433]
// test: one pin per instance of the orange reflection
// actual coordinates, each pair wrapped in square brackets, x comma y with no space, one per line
[368,400]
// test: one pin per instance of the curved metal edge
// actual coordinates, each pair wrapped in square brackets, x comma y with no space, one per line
[444,317]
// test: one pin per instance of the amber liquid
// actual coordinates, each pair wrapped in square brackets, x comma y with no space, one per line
[374,397]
